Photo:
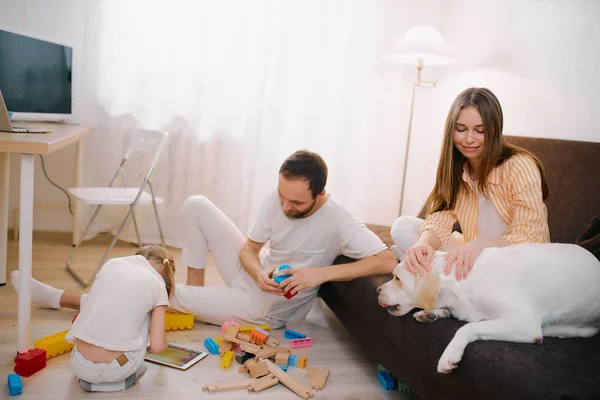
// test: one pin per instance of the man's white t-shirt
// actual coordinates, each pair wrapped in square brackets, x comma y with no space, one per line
[314,241]
[125,291]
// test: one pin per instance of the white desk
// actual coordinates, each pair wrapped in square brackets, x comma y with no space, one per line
[28,145]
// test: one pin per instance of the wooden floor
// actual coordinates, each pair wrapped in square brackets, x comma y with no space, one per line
[353,375]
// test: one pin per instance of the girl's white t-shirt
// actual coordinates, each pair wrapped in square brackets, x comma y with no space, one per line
[125,290]
[489,223]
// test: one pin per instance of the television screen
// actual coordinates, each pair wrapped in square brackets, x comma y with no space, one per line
[35,74]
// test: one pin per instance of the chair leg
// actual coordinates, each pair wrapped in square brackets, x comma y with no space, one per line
[160,232]
[70,270]
[137,230]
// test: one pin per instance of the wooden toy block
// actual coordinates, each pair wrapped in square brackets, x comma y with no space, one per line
[272,342]
[243,337]
[282,358]
[224,386]
[258,369]
[15,385]
[258,385]
[250,348]
[243,369]
[298,343]
[269,352]
[227,359]
[30,362]
[317,377]
[250,362]
[290,334]
[297,387]
[211,346]
[54,344]
[226,325]
[228,343]
[178,321]
[258,337]
[244,346]
[248,328]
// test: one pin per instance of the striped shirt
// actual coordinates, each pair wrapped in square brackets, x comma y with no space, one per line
[515,190]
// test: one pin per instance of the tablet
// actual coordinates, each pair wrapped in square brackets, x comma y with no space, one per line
[176,356]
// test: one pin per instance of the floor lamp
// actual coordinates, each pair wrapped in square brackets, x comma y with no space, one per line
[421,45]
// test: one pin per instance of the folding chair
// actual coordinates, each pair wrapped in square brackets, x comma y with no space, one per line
[146,141]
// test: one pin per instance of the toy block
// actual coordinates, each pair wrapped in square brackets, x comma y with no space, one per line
[226,325]
[211,346]
[229,339]
[224,386]
[243,357]
[249,328]
[258,337]
[15,385]
[272,342]
[297,387]
[302,362]
[298,343]
[219,340]
[250,348]
[54,344]
[243,337]
[243,369]
[250,362]
[283,367]
[297,361]
[258,369]
[30,362]
[290,334]
[258,385]
[317,377]
[279,276]
[403,387]
[282,358]
[385,379]
[227,359]
[270,352]
[178,321]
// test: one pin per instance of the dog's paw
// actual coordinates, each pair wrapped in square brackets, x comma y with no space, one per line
[425,316]
[449,360]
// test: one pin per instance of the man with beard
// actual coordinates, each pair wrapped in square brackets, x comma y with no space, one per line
[304,228]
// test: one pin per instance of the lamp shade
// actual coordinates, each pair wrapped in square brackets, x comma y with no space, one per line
[421,44]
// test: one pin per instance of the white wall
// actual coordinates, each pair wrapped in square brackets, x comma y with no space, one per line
[61,20]
[540,58]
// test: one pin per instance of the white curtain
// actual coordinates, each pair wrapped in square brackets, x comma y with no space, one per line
[240,85]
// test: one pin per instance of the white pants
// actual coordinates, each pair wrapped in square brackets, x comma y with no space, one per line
[405,233]
[94,372]
[208,227]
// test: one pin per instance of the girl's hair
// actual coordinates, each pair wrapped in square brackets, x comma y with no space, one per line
[495,150]
[158,255]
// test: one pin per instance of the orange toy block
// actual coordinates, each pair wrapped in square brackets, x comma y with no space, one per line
[54,344]
[178,321]
[258,337]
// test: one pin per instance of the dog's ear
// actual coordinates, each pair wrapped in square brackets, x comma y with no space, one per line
[428,289]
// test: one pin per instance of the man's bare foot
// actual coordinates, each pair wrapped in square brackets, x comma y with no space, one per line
[195,277]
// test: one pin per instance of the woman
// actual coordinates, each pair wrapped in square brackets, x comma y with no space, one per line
[495,190]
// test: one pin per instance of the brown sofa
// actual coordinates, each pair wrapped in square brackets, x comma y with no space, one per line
[555,369]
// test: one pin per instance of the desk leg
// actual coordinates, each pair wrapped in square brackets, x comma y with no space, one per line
[78,183]
[4,187]
[25,249]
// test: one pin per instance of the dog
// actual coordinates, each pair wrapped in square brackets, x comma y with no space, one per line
[517,293]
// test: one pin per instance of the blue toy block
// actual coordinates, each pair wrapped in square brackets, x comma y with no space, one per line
[290,334]
[386,380]
[293,360]
[283,367]
[15,385]
[211,346]
[259,329]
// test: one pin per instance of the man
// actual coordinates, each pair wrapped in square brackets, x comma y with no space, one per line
[305,228]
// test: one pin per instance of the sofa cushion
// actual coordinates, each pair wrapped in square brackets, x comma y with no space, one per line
[590,238]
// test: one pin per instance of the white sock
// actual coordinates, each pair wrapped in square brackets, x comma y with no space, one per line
[42,294]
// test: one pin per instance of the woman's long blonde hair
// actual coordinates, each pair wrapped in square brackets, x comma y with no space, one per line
[160,257]
[496,150]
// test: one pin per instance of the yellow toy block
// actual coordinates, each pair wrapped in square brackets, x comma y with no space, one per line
[227,359]
[249,328]
[177,321]
[302,362]
[54,344]
[219,340]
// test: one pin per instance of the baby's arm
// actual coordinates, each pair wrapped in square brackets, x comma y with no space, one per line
[158,340]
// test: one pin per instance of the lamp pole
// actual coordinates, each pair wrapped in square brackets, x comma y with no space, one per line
[416,84]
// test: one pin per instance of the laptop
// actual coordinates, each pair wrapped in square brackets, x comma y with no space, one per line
[6,124]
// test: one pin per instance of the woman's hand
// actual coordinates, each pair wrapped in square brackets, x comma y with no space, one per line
[418,259]
[302,278]
[266,284]
[464,257]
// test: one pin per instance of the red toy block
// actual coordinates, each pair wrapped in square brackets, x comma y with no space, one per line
[30,362]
